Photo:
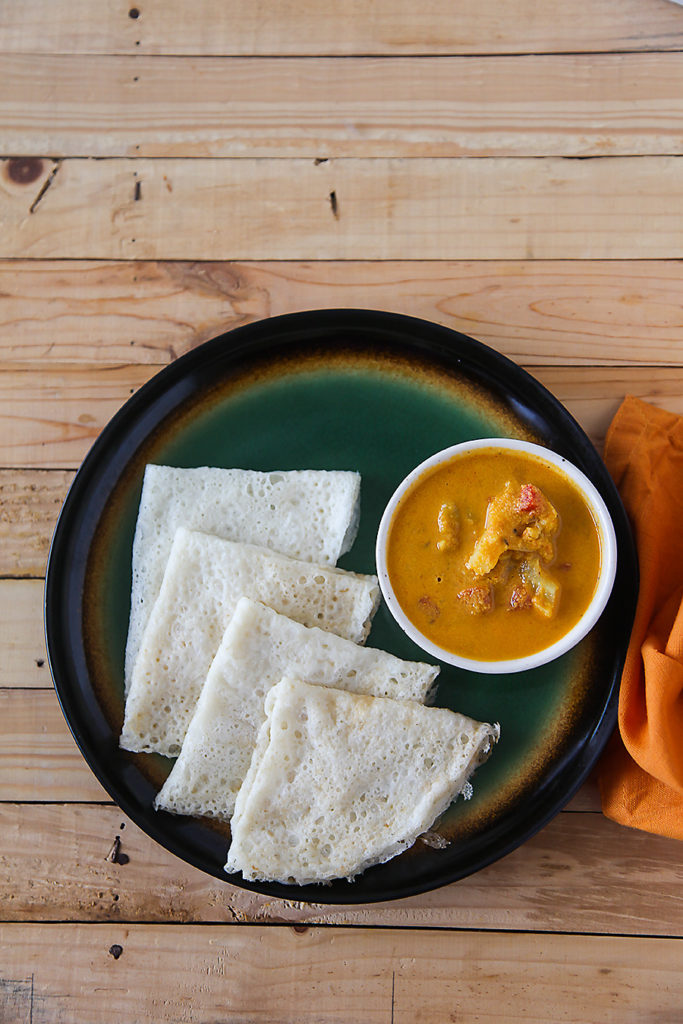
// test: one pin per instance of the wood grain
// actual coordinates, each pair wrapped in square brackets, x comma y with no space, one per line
[593,397]
[354,27]
[24,666]
[58,866]
[508,168]
[575,105]
[535,312]
[61,412]
[498,208]
[153,973]
[37,737]
[24,661]
[51,419]
[30,501]
[39,759]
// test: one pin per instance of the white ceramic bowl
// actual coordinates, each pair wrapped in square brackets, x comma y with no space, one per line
[608,552]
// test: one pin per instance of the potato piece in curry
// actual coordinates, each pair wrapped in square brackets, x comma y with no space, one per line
[494,554]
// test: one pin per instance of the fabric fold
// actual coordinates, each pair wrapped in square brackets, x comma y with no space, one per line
[641,773]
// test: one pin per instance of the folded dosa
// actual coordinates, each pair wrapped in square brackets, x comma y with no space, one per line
[308,514]
[204,579]
[259,647]
[340,781]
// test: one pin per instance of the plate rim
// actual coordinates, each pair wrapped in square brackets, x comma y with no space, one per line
[421,336]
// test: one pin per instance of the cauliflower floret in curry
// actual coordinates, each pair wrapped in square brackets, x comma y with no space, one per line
[509,559]
[520,518]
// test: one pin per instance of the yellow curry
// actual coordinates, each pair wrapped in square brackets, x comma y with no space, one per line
[494,554]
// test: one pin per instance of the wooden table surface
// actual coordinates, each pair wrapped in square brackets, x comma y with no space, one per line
[509,168]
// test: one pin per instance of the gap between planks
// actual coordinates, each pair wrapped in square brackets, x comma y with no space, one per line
[59,865]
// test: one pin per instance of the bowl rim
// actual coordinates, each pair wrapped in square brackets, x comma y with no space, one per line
[603,589]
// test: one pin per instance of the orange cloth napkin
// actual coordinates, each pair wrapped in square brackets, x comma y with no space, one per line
[641,772]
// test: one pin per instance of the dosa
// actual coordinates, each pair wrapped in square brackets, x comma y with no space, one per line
[308,514]
[340,781]
[204,579]
[258,648]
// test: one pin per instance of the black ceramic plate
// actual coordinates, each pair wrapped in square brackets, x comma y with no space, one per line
[334,389]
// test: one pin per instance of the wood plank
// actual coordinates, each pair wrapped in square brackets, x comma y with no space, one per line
[38,755]
[573,105]
[154,974]
[50,418]
[371,27]
[498,208]
[56,868]
[30,501]
[593,396]
[61,413]
[587,799]
[39,759]
[535,312]
[37,732]
[24,661]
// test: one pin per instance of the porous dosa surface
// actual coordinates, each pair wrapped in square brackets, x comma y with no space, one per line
[308,514]
[341,781]
[259,647]
[204,579]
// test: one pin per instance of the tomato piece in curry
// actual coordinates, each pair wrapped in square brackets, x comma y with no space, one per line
[494,554]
